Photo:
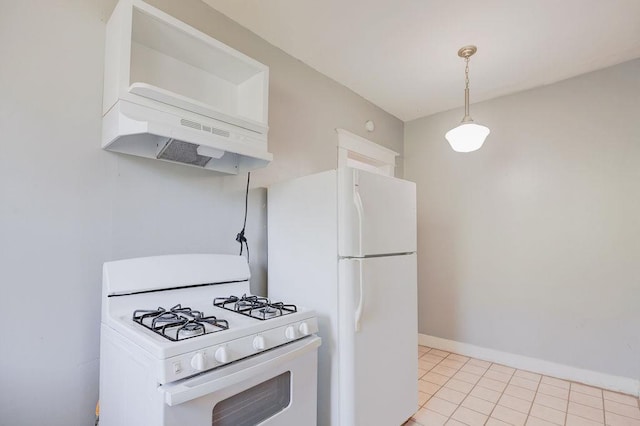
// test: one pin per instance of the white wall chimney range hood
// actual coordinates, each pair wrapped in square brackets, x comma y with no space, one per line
[175,94]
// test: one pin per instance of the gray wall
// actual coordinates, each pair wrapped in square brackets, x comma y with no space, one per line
[67,206]
[531,245]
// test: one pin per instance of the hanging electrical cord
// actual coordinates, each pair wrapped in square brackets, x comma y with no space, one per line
[240,236]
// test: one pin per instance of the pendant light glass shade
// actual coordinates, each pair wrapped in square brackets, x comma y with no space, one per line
[467,137]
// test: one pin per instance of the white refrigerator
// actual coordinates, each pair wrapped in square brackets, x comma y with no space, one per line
[343,243]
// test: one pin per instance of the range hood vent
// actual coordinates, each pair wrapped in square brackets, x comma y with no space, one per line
[173,93]
[138,130]
[198,126]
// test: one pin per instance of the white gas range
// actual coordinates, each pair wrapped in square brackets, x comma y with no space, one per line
[182,339]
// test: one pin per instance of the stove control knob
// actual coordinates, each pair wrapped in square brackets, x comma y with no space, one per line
[290,333]
[222,355]
[199,361]
[304,329]
[259,343]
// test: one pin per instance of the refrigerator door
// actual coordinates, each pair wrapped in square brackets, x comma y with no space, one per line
[376,214]
[378,336]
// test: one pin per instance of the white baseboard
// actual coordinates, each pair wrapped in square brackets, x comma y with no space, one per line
[594,378]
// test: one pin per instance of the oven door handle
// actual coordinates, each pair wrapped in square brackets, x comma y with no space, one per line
[178,393]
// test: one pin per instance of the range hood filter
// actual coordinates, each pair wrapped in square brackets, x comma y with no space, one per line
[183,152]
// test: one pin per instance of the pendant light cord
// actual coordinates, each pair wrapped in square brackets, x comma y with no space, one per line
[240,236]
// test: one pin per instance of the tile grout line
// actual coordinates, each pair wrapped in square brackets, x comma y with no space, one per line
[429,371]
[475,385]
[602,390]
[584,405]
[604,410]
[468,393]
[566,415]
[502,392]
[535,392]
[496,404]
[512,375]
[420,378]
[613,412]
[445,383]
[449,378]
[534,400]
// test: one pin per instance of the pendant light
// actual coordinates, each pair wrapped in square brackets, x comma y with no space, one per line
[468,136]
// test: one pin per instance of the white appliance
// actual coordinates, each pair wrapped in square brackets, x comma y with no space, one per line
[184,342]
[176,94]
[351,235]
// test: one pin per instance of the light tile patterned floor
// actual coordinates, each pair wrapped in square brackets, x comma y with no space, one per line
[458,390]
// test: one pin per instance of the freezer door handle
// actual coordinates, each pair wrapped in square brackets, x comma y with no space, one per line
[360,306]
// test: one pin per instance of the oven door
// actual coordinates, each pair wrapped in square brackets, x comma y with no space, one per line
[278,387]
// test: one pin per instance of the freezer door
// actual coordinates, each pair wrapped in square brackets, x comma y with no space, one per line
[378,338]
[376,214]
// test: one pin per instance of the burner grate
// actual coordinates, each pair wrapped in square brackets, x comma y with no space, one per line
[178,323]
[254,306]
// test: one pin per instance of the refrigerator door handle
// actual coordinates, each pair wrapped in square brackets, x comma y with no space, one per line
[357,200]
[360,306]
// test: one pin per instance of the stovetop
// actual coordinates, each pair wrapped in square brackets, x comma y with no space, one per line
[182,322]
[176,307]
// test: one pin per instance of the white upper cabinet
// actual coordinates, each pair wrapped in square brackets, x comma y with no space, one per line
[152,55]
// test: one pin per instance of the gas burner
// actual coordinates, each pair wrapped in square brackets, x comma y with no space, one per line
[254,306]
[178,323]
[268,310]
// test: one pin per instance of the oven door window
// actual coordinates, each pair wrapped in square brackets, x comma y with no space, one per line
[255,404]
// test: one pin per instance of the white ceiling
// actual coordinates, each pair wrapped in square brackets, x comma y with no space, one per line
[402,54]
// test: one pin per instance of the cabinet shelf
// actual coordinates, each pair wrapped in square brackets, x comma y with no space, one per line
[171,98]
